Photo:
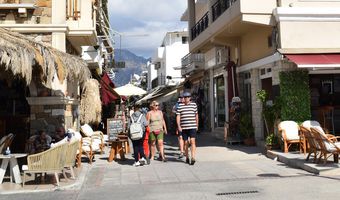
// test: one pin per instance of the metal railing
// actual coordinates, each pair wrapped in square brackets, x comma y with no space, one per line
[220,7]
[192,57]
[217,9]
[200,26]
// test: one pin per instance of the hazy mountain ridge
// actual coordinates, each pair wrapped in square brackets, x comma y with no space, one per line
[133,65]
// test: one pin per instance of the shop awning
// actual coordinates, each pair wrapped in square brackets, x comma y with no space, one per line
[315,60]
[108,94]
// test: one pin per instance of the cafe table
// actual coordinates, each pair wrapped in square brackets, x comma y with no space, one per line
[13,164]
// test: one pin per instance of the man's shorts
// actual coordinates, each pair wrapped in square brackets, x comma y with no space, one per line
[159,136]
[186,133]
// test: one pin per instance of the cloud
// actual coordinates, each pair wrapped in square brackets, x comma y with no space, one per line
[145,22]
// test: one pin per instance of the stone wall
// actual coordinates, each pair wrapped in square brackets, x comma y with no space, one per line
[48,113]
[42,14]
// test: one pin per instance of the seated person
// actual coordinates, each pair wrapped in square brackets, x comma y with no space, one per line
[59,134]
[42,142]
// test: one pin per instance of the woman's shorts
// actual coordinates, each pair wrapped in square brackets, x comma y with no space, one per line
[159,136]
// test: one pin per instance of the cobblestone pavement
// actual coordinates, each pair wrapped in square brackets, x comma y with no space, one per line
[219,173]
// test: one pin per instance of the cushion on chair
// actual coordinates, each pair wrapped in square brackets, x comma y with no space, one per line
[87,130]
[291,129]
[310,123]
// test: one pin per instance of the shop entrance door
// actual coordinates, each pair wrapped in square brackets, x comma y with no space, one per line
[219,101]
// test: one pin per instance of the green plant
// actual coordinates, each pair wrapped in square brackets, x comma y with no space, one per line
[272,139]
[270,112]
[246,125]
[295,93]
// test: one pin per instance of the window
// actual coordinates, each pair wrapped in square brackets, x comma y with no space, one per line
[184,40]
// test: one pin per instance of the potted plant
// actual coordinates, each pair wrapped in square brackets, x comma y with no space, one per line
[247,129]
[272,141]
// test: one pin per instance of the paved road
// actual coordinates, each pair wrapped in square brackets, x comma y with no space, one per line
[220,173]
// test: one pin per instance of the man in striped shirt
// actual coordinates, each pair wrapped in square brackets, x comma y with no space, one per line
[187,122]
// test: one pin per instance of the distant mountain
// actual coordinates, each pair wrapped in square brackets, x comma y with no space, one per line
[133,65]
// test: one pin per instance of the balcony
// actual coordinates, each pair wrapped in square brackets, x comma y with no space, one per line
[230,19]
[200,26]
[81,21]
[219,7]
[192,62]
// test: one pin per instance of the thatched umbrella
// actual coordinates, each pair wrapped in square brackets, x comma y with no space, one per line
[20,54]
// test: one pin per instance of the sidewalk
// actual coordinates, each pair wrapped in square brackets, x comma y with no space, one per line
[247,162]
[45,184]
[298,160]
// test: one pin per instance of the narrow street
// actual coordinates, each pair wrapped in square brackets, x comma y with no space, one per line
[236,172]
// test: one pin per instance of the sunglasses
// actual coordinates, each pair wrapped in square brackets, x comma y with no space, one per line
[157,105]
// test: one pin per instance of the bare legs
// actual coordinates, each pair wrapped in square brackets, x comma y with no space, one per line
[160,148]
[192,148]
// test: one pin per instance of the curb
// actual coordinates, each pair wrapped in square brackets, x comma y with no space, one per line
[298,161]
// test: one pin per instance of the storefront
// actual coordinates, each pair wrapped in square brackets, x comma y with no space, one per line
[40,88]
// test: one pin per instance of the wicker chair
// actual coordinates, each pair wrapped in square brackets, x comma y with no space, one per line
[88,147]
[49,161]
[71,155]
[290,135]
[327,146]
[311,123]
[97,137]
[313,147]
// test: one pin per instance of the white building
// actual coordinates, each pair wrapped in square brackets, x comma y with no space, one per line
[167,59]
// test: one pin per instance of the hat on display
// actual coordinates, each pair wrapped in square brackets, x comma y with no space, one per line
[186,94]
[236,100]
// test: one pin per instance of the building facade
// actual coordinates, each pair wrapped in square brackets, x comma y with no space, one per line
[79,28]
[167,58]
[256,42]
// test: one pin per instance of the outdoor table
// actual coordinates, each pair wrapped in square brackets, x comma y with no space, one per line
[117,147]
[14,168]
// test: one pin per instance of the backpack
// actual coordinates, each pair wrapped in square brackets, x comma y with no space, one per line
[136,130]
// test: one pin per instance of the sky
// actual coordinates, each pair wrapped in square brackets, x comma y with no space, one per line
[143,23]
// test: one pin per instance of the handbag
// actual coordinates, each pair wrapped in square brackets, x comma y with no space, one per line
[156,132]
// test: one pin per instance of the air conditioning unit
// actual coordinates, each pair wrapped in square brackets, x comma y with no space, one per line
[221,56]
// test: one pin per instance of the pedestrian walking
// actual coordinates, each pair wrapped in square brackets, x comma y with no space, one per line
[179,134]
[138,151]
[157,129]
[187,120]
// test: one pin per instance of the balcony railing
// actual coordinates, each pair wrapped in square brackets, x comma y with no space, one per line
[73,9]
[219,7]
[200,26]
[192,62]
[192,57]
[217,10]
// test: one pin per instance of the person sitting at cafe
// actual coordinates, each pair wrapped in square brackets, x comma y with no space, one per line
[59,134]
[42,142]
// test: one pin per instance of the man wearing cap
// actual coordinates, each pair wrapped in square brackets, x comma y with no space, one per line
[179,134]
[187,122]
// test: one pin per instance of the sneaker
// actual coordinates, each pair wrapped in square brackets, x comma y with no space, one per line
[192,161]
[148,161]
[136,164]
[142,161]
[187,160]
[181,155]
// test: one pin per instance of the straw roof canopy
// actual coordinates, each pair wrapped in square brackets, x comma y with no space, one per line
[20,55]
